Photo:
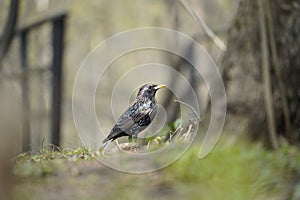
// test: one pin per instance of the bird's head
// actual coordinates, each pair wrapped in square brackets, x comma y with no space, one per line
[149,90]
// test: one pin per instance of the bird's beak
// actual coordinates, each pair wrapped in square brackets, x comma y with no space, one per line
[159,87]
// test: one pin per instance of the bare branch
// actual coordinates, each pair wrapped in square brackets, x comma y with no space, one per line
[190,107]
[267,77]
[206,29]
[9,28]
[274,53]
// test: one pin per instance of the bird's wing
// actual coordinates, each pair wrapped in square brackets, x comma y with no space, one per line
[132,115]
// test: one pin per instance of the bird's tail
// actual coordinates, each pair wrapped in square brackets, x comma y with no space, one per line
[106,140]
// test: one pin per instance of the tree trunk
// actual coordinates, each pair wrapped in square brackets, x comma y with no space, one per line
[243,69]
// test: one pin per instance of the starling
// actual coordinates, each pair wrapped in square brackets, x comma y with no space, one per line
[138,116]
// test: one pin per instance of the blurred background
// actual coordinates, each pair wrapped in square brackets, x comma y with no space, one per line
[86,25]
[254,43]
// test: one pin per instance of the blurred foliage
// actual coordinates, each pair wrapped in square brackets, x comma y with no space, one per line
[240,171]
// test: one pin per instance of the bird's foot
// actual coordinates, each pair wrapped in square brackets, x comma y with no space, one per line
[119,147]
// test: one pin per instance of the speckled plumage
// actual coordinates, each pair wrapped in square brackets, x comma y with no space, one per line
[138,116]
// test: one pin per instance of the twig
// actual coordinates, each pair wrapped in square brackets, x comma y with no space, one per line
[206,29]
[187,135]
[148,144]
[117,143]
[277,69]
[190,107]
[178,132]
[266,76]
[55,147]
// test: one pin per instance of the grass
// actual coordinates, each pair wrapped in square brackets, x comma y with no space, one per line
[231,171]
[239,171]
[46,160]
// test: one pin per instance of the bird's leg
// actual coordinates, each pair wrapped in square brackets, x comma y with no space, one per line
[117,143]
[130,138]
[103,148]
[135,138]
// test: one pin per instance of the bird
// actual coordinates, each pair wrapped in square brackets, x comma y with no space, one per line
[138,116]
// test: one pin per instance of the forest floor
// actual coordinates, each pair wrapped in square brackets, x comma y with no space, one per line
[233,170]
